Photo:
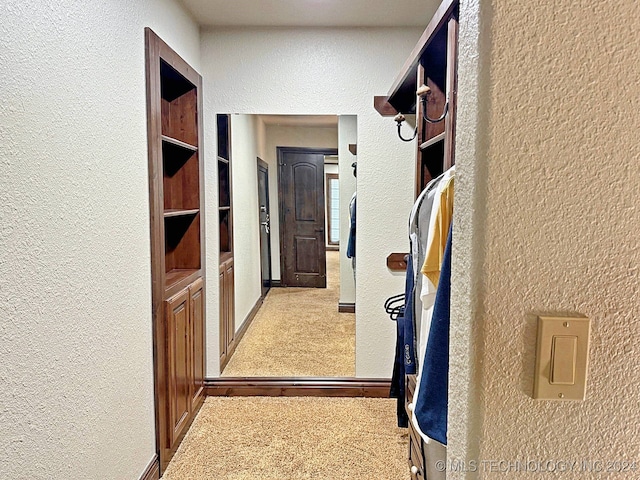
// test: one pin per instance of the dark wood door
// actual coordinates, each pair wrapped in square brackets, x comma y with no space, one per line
[302,239]
[177,311]
[265,225]
[196,316]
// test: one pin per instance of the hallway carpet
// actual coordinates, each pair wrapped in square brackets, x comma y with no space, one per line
[282,438]
[298,332]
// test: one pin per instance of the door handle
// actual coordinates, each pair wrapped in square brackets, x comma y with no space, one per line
[266,226]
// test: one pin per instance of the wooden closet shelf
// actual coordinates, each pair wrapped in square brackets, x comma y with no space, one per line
[432,141]
[178,275]
[227,207]
[176,212]
[222,159]
[179,143]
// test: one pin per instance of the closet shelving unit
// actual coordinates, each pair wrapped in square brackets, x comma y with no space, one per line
[174,123]
[225,217]
[432,63]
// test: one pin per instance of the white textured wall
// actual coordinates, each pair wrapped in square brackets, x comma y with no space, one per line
[548,122]
[289,136]
[246,235]
[347,133]
[76,371]
[324,71]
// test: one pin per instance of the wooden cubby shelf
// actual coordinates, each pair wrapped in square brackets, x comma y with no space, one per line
[432,141]
[177,275]
[172,83]
[178,143]
[175,212]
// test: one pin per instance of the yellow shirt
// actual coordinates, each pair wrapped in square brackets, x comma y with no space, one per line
[435,249]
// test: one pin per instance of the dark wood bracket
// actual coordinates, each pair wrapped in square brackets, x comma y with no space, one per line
[397,262]
[383,107]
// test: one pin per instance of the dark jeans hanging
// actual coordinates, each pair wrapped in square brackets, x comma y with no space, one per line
[397,379]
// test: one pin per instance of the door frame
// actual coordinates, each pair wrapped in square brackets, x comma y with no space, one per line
[327,205]
[264,165]
[280,152]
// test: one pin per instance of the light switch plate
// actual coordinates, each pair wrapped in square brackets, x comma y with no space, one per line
[562,351]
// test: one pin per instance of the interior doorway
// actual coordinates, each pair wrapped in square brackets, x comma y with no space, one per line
[302,216]
[265,226]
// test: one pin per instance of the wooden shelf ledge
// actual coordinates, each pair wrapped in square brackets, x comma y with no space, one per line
[178,277]
[432,141]
[176,212]
[179,143]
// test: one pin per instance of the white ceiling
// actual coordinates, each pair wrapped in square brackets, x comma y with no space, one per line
[312,13]
[301,120]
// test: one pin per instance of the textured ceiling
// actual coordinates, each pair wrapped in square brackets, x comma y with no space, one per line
[312,13]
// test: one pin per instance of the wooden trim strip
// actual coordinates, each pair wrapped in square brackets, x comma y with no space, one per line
[298,387]
[152,472]
[439,18]
[347,307]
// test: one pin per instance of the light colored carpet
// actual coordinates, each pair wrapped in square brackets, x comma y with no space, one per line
[264,438]
[298,332]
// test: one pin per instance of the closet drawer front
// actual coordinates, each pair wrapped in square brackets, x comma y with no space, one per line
[410,388]
[415,462]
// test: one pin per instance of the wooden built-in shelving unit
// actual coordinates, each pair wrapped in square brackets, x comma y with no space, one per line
[432,63]
[225,229]
[174,122]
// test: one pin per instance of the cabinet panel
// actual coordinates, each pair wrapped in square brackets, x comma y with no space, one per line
[196,305]
[230,293]
[177,313]
[227,309]
[223,317]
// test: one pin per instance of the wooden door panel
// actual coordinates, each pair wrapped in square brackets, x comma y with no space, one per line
[177,309]
[306,262]
[304,185]
[302,212]
[265,226]
[196,295]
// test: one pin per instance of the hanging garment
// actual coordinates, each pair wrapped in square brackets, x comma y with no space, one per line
[431,405]
[437,243]
[409,327]
[351,245]
[397,379]
[418,237]
[439,225]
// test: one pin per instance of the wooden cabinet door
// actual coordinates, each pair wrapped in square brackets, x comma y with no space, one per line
[196,316]
[229,287]
[178,356]
[223,316]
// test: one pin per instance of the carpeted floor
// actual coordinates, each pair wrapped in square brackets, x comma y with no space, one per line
[266,438]
[298,332]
